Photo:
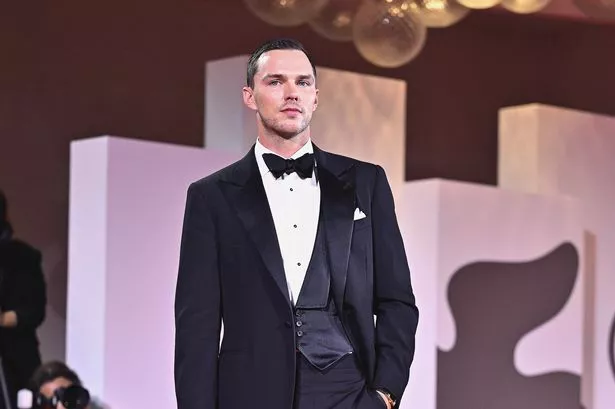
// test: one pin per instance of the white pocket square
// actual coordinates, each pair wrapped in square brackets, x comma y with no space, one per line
[358,214]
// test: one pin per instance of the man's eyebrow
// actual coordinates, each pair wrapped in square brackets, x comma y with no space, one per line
[273,76]
[306,77]
[282,76]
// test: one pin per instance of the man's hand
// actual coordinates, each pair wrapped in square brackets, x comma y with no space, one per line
[385,399]
[8,319]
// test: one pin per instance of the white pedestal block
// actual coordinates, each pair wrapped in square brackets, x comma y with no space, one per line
[559,151]
[458,232]
[127,203]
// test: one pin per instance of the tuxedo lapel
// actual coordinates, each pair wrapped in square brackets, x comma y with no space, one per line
[337,190]
[245,191]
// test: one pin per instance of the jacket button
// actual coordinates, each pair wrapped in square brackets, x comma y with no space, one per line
[299,333]
[299,323]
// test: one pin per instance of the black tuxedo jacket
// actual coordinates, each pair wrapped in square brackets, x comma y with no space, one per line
[231,270]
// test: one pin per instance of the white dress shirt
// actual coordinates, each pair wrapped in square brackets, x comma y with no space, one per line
[295,207]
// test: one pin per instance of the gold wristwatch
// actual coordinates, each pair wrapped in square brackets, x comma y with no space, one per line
[390,400]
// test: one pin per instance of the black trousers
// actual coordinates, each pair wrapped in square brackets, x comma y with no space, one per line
[17,372]
[341,386]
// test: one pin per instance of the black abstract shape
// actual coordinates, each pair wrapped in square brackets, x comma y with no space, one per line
[494,305]
[612,347]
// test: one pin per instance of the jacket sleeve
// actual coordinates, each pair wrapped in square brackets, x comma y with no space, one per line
[30,294]
[197,307]
[394,302]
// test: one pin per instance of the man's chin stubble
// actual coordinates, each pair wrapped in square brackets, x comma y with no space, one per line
[286,134]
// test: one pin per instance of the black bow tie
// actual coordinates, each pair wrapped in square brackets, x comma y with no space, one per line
[304,166]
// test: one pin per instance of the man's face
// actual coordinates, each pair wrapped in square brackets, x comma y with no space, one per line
[284,93]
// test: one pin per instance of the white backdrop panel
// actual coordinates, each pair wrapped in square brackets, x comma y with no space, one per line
[447,225]
[127,206]
[560,151]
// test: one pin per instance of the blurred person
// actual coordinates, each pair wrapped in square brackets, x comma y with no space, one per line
[22,305]
[50,383]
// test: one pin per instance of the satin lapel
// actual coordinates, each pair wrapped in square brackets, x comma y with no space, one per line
[245,191]
[338,204]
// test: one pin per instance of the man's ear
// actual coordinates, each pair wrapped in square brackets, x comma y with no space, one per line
[248,98]
[315,100]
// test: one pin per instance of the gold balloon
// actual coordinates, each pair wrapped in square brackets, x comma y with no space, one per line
[525,6]
[479,4]
[285,13]
[441,13]
[335,20]
[608,4]
[388,33]
[596,9]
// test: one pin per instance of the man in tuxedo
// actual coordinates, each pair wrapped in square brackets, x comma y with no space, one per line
[293,250]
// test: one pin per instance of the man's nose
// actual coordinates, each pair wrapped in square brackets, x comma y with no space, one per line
[291,92]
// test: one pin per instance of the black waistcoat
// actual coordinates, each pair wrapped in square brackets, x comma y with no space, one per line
[320,335]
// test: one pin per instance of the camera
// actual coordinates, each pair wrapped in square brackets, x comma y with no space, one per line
[71,397]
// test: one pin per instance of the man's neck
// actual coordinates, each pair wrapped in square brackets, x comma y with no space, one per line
[282,146]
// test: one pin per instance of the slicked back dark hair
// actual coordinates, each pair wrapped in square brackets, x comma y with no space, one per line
[275,44]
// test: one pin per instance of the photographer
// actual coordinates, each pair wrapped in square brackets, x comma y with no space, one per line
[22,306]
[51,383]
